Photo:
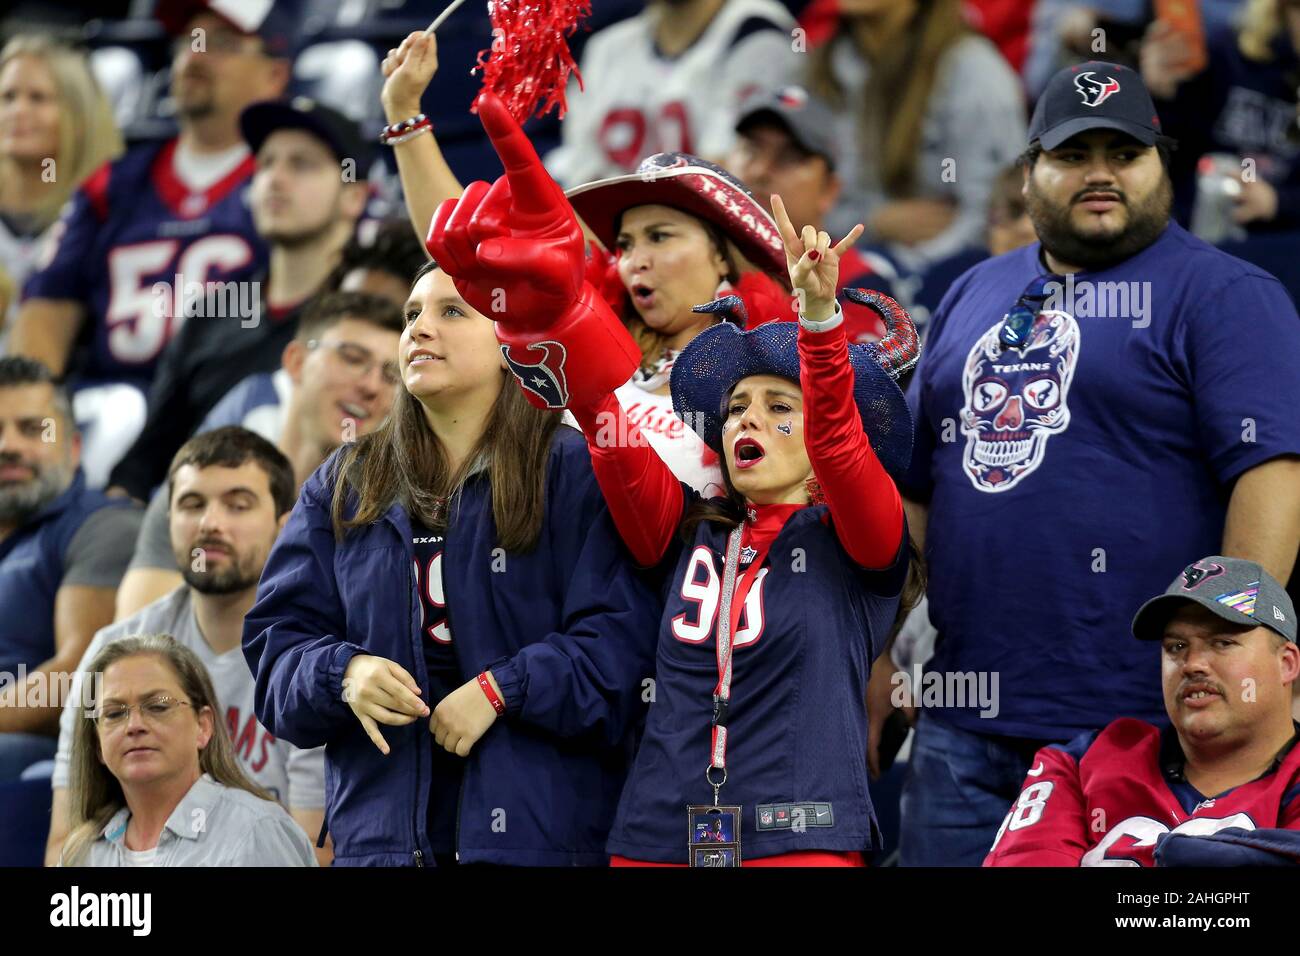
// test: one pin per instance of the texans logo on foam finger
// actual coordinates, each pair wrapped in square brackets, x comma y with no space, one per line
[545,378]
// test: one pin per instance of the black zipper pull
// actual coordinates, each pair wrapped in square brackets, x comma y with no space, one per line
[419,858]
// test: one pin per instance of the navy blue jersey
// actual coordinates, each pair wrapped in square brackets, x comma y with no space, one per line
[797,726]
[134,224]
[1070,481]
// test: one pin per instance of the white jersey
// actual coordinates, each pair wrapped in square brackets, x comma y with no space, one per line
[684,452]
[295,777]
[637,102]
[17,261]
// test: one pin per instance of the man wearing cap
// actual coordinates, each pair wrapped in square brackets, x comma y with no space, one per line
[784,146]
[306,201]
[162,212]
[1220,786]
[1091,409]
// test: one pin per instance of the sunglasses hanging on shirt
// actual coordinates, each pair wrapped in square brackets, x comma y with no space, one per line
[1018,324]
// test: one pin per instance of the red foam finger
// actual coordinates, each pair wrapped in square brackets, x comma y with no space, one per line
[492,218]
[433,242]
[533,189]
[457,240]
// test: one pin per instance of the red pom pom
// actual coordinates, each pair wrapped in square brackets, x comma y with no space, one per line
[530,59]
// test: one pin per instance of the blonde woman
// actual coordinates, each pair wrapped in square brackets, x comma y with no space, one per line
[56,128]
[154,779]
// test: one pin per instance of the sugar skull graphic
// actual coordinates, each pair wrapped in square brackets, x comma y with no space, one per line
[1016,400]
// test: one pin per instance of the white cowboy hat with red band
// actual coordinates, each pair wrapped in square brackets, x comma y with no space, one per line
[692,185]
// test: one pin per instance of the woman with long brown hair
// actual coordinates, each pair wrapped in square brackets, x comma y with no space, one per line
[928,112]
[154,778]
[448,610]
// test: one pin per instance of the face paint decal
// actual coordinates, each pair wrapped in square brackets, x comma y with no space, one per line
[785,428]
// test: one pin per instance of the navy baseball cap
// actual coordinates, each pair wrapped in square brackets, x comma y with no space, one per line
[275,21]
[340,134]
[1239,591]
[1094,95]
[807,119]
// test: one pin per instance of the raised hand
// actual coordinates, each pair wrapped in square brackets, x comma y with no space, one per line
[407,70]
[514,248]
[515,252]
[813,262]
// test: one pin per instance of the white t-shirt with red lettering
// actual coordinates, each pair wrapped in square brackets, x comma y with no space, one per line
[689,459]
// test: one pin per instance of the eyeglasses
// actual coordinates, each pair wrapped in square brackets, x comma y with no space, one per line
[360,361]
[155,710]
[1019,322]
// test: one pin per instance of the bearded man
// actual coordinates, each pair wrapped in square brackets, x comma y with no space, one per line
[63,550]
[1093,412]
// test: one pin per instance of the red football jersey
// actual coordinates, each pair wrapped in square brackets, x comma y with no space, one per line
[1105,798]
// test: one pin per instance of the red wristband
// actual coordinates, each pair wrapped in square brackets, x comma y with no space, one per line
[491,695]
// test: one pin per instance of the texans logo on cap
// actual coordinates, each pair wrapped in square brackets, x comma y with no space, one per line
[1194,574]
[793,97]
[1093,90]
[544,378]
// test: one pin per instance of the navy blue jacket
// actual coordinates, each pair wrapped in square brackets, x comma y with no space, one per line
[33,560]
[568,631]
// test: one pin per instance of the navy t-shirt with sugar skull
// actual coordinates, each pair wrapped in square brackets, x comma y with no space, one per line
[1071,479]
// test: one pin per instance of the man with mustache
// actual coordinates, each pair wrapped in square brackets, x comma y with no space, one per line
[784,145]
[1221,785]
[1091,409]
[63,549]
[168,215]
[230,492]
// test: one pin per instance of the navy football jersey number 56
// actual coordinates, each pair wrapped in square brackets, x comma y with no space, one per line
[147,279]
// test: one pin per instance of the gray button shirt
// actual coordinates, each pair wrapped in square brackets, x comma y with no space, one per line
[214,825]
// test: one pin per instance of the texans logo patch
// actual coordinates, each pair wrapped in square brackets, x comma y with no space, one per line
[544,377]
[1095,90]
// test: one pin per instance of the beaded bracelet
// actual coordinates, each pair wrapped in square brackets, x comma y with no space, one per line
[406,129]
